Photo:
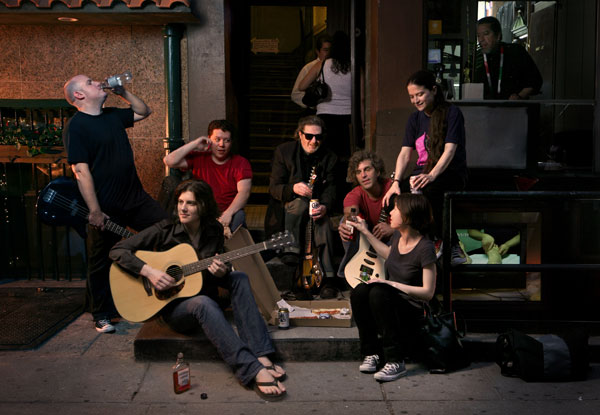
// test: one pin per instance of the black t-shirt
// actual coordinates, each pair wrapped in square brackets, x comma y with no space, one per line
[101,141]
[408,268]
[518,71]
[417,137]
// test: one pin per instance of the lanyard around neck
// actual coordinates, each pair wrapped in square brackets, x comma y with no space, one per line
[487,69]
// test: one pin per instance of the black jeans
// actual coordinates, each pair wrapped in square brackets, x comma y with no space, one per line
[99,299]
[381,310]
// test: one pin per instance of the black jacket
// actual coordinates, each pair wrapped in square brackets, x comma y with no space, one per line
[287,171]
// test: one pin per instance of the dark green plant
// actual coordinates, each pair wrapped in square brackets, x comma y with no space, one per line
[37,140]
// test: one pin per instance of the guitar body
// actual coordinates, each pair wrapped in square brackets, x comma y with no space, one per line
[66,213]
[310,272]
[136,298]
[366,263]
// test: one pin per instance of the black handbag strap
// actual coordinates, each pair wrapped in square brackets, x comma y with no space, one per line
[321,74]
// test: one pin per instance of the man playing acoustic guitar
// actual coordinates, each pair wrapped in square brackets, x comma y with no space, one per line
[365,171]
[245,351]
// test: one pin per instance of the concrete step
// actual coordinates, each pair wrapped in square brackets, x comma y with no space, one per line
[157,342]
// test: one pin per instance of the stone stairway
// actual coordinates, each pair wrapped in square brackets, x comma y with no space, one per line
[272,120]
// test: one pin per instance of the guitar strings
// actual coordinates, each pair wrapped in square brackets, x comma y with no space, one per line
[83,213]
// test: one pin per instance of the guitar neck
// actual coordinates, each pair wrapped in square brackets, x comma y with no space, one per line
[118,229]
[203,264]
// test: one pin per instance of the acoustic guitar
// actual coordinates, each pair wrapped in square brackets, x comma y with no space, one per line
[61,204]
[366,263]
[138,300]
[310,273]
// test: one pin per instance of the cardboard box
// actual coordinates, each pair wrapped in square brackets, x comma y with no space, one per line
[266,293]
[322,304]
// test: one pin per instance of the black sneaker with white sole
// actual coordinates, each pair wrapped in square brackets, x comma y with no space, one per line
[391,371]
[369,364]
[104,326]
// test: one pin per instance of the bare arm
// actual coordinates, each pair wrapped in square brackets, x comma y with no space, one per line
[310,76]
[487,241]
[424,293]
[401,166]
[244,188]
[139,107]
[176,159]
[85,183]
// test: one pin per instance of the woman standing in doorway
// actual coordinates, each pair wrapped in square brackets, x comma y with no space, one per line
[336,110]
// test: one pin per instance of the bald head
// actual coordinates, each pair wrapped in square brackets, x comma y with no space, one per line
[72,85]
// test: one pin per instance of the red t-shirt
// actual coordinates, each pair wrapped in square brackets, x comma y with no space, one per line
[369,209]
[222,178]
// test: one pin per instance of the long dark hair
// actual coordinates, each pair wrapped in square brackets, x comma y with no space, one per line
[438,125]
[208,208]
[340,53]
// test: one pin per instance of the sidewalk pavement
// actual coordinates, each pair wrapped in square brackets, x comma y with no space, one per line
[79,371]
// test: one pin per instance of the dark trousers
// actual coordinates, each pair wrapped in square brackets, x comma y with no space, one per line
[99,299]
[385,319]
[434,192]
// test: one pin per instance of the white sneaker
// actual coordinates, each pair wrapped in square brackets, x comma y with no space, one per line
[391,371]
[369,364]
[104,326]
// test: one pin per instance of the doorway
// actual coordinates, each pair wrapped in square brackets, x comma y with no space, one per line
[268,47]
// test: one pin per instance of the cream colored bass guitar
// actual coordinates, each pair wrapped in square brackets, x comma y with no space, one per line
[136,298]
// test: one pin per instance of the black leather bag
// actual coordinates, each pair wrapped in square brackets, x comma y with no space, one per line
[317,91]
[443,350]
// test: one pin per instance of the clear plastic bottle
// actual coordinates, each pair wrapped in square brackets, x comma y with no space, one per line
[181,375]
[117,80]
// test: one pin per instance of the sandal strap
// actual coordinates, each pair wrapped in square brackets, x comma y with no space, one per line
[273,383]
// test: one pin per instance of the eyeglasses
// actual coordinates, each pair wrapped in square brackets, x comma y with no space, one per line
[310,136]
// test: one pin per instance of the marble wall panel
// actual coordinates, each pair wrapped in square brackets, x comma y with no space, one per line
[148,153]
[10,55]
[102,51]
[47,52]
[146,54]
[10,90]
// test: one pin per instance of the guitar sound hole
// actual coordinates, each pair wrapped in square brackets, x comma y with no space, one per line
[176,272]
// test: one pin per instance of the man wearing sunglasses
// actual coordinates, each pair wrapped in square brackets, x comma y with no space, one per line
[229,175]
[303,170]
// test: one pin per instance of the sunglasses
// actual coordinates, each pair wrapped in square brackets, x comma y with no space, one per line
[309,136]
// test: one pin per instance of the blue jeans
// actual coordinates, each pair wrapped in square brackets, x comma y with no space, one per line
[238,219]
[240,351]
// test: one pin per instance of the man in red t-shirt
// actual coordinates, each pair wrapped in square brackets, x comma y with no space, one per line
[229,175]
[365,171]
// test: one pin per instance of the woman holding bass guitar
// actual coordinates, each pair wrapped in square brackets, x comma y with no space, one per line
[391,308]
[196,224]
